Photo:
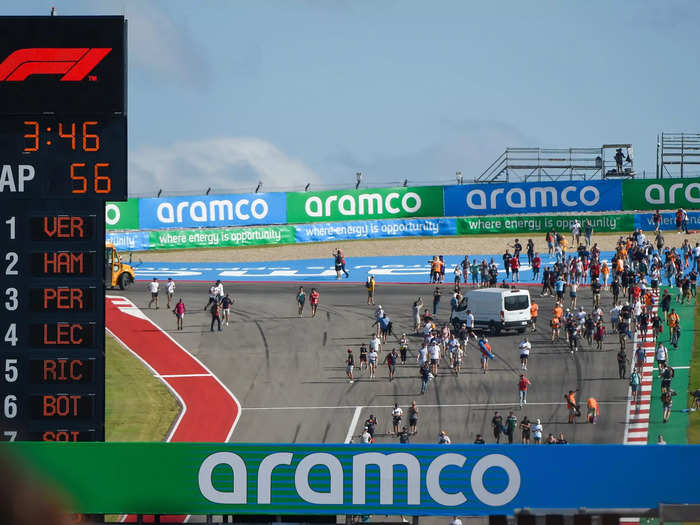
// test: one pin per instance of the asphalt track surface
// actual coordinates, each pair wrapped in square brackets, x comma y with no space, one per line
[289,374]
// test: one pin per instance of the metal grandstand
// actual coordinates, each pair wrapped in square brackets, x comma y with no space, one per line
[675,153]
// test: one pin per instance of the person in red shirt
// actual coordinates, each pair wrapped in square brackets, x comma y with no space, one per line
[523,383]
[536,265]
[314,296]
[179,312]
[515,269]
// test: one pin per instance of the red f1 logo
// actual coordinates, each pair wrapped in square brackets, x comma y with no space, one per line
[74,63]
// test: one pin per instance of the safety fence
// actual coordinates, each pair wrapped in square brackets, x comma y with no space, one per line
[468,200]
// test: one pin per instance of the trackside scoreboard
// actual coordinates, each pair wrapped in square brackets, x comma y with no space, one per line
[63,152]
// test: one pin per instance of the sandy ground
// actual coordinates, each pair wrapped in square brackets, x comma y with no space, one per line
[405,246]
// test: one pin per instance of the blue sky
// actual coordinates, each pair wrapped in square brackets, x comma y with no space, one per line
[225,93]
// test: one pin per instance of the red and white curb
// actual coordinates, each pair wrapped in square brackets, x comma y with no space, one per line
[637,414]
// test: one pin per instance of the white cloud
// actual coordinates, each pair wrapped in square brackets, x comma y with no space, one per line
[233,164]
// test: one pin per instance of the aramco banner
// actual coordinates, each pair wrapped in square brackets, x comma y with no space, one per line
[532,197]
[212,211]
[268,478]
[373,203]
[661,194]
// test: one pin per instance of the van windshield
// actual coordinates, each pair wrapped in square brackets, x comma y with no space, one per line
[516,302]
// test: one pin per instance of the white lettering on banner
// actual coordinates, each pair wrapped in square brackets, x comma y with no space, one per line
[660,194]
[477,480]
[539,197]
[240,481]
[25,173]
[112,214]
[386,463]
[223,210]
[335,471]
[360,462]
[432,480]
[364,204]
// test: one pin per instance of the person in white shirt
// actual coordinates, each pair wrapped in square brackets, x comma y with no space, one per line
[153,287]
[373,357]
[212,296]
[661,356]
[378,315]
[537,432]
[434,351]
[455,521]
[396,415]
[422,355]
[170,287]
[219,290]
[525,348]
[444,438]
[575,232]
[366,436]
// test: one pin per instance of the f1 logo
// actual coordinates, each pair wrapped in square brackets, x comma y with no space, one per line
[74,63]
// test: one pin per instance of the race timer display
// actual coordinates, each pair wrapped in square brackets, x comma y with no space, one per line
[63,153]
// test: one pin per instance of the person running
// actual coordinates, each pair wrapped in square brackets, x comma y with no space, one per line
[413,417]
[497,426]
[523,383]
[349,368]
[301,300]
[373,357]
[571,405]
[537,430]
[534,311]
[525,348]
[226,303]
[370,289]
[154,287]
[525,430]
[396,415]
[170,290]
[593,411]
[215,311]
[339,260]
[314,298]
[391,359]
[179,312]
[511,425]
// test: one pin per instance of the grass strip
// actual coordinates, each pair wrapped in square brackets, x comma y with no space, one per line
[138,406]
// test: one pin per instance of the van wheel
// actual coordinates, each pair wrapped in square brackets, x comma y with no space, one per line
[124,281]
[493,329]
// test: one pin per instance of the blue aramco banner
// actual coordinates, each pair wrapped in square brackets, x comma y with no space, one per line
[336,231]
[433,480]
[532,197]
[213,211]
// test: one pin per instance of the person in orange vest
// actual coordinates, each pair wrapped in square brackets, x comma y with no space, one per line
[534,310]
[556,326]
[571,405]
[593,412]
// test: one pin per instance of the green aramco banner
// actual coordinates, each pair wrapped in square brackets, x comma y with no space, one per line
[374,203]
[661,194]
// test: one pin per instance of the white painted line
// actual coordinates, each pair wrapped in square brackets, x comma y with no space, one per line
[680,367]
[353,424]
[182,375]
[462,405]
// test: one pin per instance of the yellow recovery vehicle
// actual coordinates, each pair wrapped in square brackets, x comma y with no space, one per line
[117,273]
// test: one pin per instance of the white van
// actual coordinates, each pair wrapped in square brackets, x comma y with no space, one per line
[495,309]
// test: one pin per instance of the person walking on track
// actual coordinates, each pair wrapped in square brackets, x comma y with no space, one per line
[301,299]
[179,312]
[154,287]
[523,383]
[170,289]
[314,297]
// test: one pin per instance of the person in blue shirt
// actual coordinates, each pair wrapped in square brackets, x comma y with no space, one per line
[384,326]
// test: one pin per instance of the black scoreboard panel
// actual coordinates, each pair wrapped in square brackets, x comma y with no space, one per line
[63,153]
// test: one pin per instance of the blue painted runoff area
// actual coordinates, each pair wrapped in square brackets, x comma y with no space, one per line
[387,269]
